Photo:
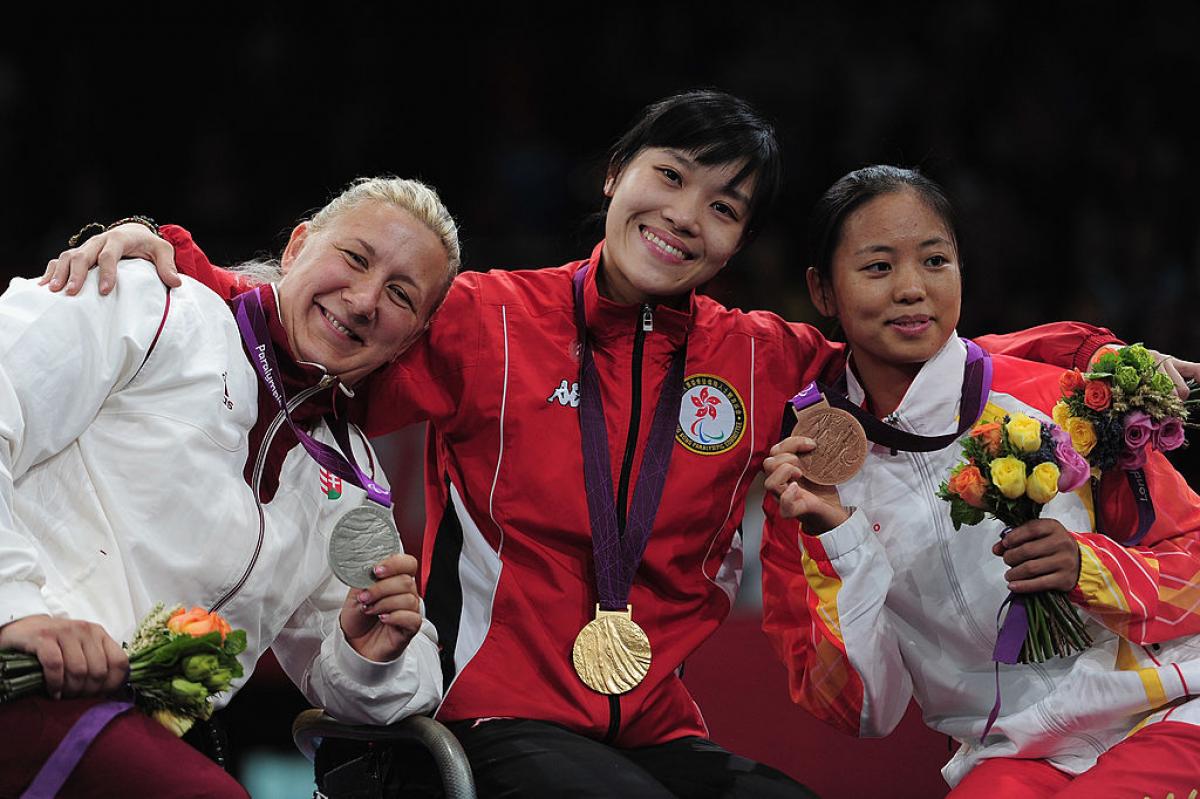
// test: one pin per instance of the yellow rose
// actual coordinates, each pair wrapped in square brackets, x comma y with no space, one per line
[1060,414]
[1008,474]
[1083,435]
[1024,433]
[1043,483]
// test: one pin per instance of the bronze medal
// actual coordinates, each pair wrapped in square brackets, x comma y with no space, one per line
[841,444]
[612,653]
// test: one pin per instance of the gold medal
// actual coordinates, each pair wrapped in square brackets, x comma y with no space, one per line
[612,653]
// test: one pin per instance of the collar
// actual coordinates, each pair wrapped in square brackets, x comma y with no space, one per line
[297,375]
[608,320]
[930,406]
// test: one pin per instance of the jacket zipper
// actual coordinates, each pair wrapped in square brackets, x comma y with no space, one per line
[645,325]
[259,464]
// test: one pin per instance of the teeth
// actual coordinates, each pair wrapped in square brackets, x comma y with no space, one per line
[338,326]
[657,242]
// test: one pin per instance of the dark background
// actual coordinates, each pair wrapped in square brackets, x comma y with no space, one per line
[1064,133]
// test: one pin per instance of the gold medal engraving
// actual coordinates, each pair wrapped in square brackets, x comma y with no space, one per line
[612,653]
[841,444]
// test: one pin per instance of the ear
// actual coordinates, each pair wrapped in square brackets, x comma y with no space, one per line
[820,293]
[294,246]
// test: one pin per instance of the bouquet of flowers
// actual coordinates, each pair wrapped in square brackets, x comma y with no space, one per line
[178,661]
[1012,469]
[1121,410]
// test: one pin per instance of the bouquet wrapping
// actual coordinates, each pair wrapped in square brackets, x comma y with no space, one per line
[178,661]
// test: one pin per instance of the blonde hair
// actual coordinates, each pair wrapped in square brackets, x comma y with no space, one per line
[413,196]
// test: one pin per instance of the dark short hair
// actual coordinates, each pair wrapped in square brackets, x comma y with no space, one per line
[715,128]
[854,190]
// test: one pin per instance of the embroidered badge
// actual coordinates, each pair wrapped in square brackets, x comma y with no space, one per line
[331,484]
[711,416]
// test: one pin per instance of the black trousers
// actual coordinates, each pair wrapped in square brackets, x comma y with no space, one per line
[524,758]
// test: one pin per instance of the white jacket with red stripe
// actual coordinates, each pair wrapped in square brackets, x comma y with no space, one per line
[124,426]
[895,604]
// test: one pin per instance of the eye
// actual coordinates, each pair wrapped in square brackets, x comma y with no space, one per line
[670,174]
[400,296]
[353,257]
[725,209]
[878,267]
[937,261]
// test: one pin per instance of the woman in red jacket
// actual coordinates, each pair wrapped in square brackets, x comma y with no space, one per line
[594,432]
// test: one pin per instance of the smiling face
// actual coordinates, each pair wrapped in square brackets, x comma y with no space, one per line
[896,288]
[671,225]
[358,291]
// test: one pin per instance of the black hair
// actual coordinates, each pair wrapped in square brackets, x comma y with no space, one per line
[715,128]
[854,190]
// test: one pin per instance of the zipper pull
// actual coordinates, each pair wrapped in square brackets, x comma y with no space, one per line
[647,319]
[326,380]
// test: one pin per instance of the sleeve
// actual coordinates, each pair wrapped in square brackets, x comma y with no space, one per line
[823,610]
[192,262]
[316,656]
[816,357]
[1149,593]
[60,359]
[1065,344]
[429,381]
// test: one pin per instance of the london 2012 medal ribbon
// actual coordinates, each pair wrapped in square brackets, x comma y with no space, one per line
[364,535]
[612,653]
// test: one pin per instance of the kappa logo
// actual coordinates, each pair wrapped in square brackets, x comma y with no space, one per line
[566,394]
[225,379]
[712,417]
[331,484]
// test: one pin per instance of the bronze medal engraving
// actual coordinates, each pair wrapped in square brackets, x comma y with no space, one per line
[841,444]
[612,653]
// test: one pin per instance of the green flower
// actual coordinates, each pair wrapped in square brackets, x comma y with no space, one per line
[1127,379]
[219,680]
[1138,357]
[1162,384]
[197,667]
[188,691]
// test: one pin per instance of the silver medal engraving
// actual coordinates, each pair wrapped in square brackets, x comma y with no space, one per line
[359,541]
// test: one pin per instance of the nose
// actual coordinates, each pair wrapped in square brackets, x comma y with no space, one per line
[909,284]
[683,213]
[362,298]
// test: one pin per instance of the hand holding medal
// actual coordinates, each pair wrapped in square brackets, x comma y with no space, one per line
[827,446]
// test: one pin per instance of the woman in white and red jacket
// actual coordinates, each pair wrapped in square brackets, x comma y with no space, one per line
[879,600]
[141,462]
[509,567]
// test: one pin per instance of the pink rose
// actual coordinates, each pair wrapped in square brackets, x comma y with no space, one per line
[1132,459]
[1073,467]
[1138,431]
[1168,435]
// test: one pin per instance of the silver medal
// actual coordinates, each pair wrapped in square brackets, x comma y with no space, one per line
[360,539]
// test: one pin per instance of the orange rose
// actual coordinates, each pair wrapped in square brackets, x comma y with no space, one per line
[989,434]
[1097,395]
[1070,382]
[969,484]
[197,622]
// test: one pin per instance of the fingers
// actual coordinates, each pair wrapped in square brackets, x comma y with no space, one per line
[162,254]
[107,260]
[1043,556]
[794,445]
[118,666]
[781,473]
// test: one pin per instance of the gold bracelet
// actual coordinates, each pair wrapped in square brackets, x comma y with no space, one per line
[85,233]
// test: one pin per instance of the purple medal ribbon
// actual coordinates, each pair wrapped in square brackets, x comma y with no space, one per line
[976,385]
[252,322]
[616,554]
[1145,506]
[70,750]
